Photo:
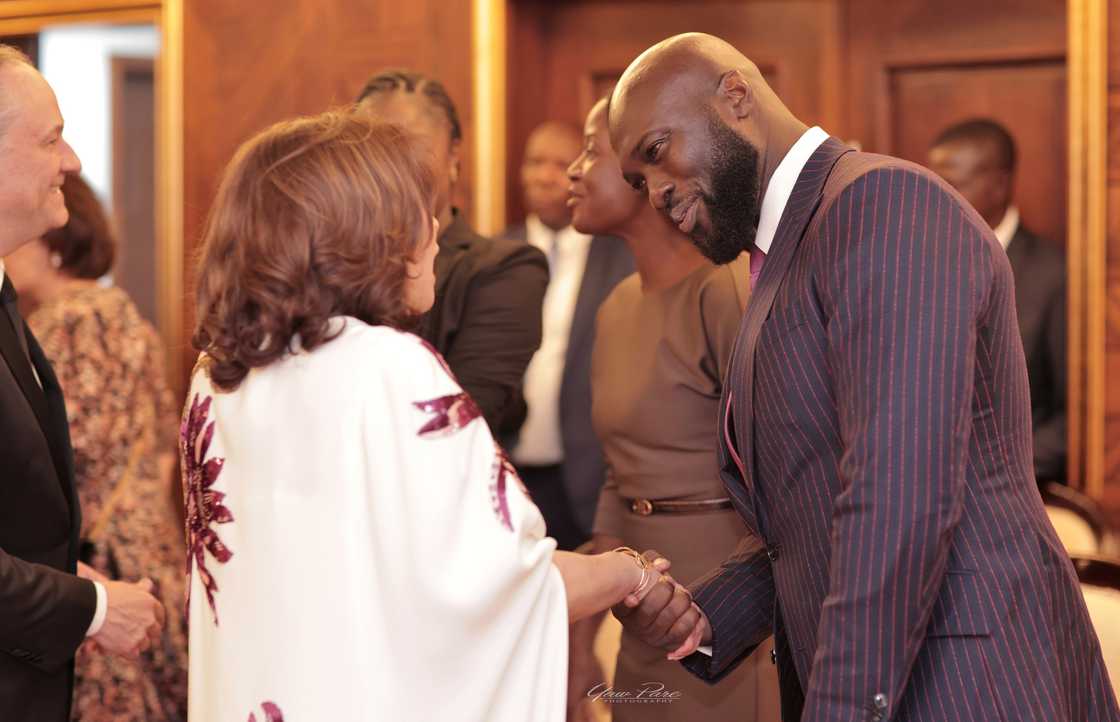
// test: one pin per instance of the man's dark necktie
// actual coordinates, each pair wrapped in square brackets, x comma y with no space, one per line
[10,299]
[13,345]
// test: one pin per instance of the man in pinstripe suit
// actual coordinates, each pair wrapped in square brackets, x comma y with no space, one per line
[876,424]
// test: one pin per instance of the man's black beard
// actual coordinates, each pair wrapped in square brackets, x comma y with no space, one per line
[734,203]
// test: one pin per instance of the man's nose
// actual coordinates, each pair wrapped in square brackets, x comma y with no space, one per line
[70,161]
[660,192]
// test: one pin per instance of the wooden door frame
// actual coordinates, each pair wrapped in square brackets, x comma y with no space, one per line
[120,68]
[19,17]
[1087,73]
[488,79]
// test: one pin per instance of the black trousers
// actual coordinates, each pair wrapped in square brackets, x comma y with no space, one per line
[546,486]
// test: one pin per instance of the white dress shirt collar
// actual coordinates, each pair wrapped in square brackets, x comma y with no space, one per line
[781,185]
[540,441]
[536,231]
[541,236]
[1008,227]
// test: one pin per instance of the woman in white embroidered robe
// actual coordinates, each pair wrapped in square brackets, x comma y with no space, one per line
[359,546]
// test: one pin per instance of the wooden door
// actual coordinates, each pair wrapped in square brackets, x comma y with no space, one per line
[563,56]
[915,67]
[133,88]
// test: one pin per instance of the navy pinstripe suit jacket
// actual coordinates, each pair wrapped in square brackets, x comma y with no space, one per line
[876,436]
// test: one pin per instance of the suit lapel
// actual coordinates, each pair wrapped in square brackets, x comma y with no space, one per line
[57,428]
[1017,253]
[590,295]
[21,371]
[1018,249]
[452,242]
[803,201]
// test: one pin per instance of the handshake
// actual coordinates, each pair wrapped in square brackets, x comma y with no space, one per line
[662,614]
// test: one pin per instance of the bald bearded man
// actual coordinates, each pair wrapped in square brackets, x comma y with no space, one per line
[875,428]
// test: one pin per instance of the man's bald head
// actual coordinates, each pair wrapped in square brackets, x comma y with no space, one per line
[555,132]
[694,123]
[977,157]
[690,64]
[551,148]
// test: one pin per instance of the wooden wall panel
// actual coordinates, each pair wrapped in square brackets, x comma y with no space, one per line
[1003,59]
[563,54]
[249,64]
[1028,97]
[884,34]
[1111,465]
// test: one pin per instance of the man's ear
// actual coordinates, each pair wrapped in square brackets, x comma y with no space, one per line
[736,94]
[1004,185]
[454,162]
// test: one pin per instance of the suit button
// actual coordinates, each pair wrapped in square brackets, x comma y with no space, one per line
[773,552]
[773,656]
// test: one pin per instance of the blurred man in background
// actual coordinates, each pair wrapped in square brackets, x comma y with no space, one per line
[555,450]
[977,157]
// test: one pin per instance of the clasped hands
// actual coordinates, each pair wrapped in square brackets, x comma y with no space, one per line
[134,618]
[660,611]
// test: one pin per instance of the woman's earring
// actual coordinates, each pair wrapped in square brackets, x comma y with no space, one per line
[56,260]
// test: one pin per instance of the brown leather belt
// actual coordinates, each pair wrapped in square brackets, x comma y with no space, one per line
[645,507]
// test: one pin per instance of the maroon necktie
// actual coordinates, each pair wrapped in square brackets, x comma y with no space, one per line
[758,258]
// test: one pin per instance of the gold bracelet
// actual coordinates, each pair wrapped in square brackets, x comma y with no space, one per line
[633,553]
[642,563]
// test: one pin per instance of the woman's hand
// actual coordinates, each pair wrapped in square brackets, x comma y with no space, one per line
[650,568]
[594,583]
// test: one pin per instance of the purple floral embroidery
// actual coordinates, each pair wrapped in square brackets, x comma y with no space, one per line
[272,713]
[451,413]
[503,469]
[204,503]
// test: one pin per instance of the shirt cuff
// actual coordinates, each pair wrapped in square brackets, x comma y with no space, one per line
[102,610]
[705,649]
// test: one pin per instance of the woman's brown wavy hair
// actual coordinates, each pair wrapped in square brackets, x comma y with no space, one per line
[315,217]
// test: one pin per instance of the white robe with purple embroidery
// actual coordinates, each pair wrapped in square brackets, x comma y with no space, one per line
[360,549]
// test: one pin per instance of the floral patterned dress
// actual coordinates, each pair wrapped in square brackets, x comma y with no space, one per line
[361,549]
[109,362]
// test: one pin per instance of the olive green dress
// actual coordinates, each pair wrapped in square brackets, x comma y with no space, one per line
[656,376]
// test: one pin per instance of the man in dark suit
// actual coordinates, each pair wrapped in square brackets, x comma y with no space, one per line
[977,157]
[556,451]
[46,611]
[486,321]
[874,427]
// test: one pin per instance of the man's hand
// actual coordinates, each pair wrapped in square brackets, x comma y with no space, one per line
[133,619]
[701,634]
[85,571]
[665,618]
